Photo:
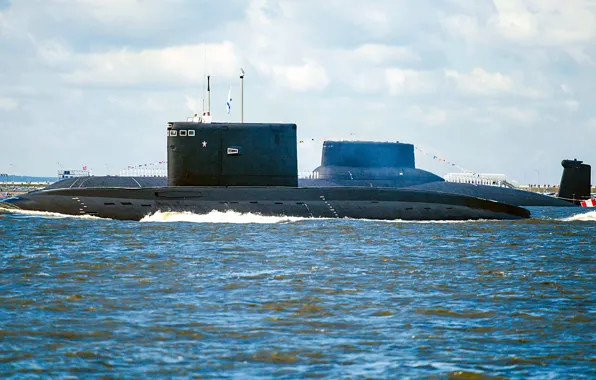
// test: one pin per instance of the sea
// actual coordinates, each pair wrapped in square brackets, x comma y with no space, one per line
[243,296]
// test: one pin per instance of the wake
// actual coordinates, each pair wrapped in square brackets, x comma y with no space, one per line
[234,217]
[219,217]
[48,215]
[585,217]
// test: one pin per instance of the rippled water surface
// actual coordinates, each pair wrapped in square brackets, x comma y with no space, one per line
[244,296]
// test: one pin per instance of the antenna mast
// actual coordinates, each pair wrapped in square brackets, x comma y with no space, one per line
[207,114]
[204,75]
[241,95]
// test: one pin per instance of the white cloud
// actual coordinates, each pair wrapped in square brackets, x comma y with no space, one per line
[525,116]
[481,82]
[571,104]
[168,66]
[579,55]
[463,26]
[8,104]
[428,115]
[591,126]
[546,22]
[514,21]
[402,82]
[381,53]
[307,77]
[484,83]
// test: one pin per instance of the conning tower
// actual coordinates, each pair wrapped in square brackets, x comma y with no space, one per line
[370,163]
[367,154]
[232,154]
[575,181]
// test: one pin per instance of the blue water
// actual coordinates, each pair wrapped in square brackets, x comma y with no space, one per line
[244,296]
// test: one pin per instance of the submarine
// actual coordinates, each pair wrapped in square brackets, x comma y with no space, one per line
[251,168]
[387,164]
[392,165]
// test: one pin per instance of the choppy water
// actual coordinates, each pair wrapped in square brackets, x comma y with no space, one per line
[244,296]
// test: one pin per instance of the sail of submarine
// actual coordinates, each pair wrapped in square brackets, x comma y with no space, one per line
[252,168]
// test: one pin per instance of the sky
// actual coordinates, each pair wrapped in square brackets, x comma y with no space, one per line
[501,86]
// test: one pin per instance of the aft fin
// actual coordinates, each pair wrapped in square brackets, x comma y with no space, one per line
[575,181]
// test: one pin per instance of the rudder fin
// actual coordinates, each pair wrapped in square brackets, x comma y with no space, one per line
[576,180]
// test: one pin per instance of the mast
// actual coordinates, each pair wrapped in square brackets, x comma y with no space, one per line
[208,95]
[241,95]
[207,112]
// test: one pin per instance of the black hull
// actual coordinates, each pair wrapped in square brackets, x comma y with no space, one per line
[514,197]
[330,202]
[500,194]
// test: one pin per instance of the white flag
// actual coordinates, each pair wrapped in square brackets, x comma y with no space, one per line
[229,102]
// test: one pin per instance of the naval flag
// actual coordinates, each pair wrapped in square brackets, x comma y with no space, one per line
[229,102]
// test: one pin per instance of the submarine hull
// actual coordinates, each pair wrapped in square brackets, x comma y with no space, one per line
[500,194]
[339,202]
[514,197]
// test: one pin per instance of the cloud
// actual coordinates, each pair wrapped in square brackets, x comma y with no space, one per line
[525,116]
[429,115]
[8,104]
[382,53]
[450,75]
[480,82]
[572,104]
[545,22]
[307,77]
[462,26]
[402,82]
[168,66]
[483,83]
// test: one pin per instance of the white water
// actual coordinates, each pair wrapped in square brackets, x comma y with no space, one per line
[589,216]
[231,217]
[250,218]
[219,217]
[47,215]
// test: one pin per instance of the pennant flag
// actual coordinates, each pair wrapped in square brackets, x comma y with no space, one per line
[229,102]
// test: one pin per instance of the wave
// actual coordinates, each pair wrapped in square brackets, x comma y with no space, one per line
[235,217]
[219,217]
[589,216]
[47,215]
